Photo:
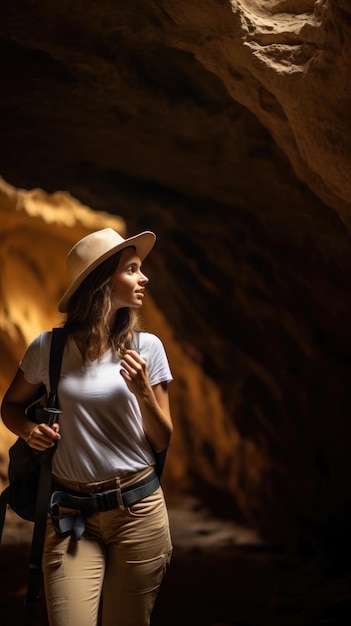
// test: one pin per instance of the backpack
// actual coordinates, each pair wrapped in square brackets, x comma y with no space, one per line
[29,472]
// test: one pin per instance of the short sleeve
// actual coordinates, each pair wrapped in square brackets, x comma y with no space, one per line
[153,351]
[35,362]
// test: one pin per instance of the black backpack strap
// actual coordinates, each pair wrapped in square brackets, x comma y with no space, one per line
[45,479]
[56,352]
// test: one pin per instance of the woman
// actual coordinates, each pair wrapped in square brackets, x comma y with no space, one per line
[115,414]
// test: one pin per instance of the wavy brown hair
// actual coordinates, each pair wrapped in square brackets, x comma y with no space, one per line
[88,314]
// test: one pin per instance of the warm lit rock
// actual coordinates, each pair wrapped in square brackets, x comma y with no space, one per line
[37,230]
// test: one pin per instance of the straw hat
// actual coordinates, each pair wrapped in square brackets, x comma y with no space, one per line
[95,248]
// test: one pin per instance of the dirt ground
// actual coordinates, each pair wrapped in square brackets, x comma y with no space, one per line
[220,575]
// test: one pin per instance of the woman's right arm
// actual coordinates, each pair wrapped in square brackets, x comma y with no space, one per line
[18,396]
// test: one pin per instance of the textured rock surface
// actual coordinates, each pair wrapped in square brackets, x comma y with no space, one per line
[225,127]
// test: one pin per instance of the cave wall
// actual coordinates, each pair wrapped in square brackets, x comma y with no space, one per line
[225,128]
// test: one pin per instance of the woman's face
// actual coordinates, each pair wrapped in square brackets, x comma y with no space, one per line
[128,281]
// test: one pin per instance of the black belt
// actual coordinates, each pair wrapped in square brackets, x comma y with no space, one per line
[92,503]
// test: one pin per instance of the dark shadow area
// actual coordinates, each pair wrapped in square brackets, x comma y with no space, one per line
[220,575]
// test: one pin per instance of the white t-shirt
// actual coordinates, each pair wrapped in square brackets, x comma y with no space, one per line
[101,425]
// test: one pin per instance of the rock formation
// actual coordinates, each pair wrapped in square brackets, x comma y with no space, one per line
[224,127]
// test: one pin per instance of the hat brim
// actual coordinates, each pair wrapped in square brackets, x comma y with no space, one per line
[143,243]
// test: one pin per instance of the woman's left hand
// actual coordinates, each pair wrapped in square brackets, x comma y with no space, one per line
[134,372]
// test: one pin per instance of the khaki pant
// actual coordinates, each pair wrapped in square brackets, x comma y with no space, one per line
[114,571]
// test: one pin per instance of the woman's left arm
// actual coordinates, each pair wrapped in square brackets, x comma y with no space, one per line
[153,401]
